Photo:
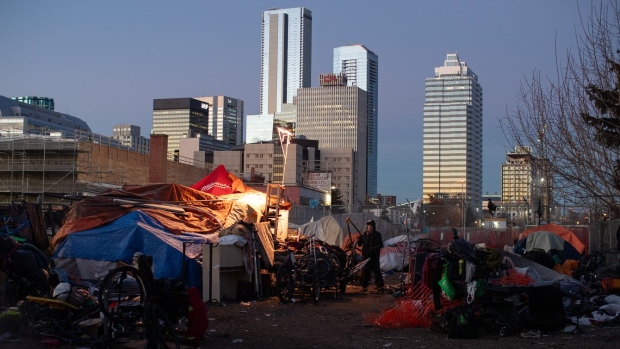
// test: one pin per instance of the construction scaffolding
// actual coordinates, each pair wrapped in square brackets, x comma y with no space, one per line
[42,168]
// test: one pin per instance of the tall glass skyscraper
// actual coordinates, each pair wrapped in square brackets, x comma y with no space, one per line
[360,66]
[286,56]
[258,128]
[225,119]
[180,118]
[452,152]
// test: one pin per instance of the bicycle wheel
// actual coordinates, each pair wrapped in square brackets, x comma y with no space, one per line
[284,282]
[162,334]
[121,297]
[316,286]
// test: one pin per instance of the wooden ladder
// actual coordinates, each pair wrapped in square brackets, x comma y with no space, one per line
[272,209]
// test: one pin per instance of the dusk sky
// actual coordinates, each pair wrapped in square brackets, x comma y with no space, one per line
[105,61]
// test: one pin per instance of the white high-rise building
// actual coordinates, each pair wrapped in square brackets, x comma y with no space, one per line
[452,152]
[360,66]
[286,56]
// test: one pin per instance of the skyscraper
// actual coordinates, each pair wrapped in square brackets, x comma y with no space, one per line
[225,119]
[286,56]
[336,116]
[518,174]
[360,66]
[179,118]
[452,151]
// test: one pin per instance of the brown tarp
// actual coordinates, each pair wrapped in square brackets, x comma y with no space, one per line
[204,213]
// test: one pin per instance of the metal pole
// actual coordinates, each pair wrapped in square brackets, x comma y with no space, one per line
[463,213]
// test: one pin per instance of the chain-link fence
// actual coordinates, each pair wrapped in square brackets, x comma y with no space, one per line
[604,237]
[478,226]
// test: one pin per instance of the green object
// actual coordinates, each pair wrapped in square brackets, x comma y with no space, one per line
[446,285]
[462,320]
[18,239]
[480,286]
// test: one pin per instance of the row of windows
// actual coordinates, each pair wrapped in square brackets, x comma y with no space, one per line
[258,155]
[248,166]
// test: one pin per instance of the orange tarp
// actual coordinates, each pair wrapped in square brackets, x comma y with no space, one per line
[203,211]
[560,231]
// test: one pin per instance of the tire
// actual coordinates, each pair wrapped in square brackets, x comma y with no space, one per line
[284,282]
[161,331]
[117,288]
[316,287]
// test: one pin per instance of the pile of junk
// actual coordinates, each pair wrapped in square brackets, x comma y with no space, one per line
[468,291]
[42,302]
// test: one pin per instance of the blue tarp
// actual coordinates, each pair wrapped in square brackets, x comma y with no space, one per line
[138,232]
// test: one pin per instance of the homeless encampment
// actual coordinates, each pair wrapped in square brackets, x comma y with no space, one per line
[482,286]
[334,230]
[162,220]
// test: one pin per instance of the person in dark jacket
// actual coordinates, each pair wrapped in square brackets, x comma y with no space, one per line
[371,243]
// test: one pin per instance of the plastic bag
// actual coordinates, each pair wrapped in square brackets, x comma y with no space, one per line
[446,285]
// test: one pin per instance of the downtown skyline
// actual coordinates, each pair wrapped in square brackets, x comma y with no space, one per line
[106,63]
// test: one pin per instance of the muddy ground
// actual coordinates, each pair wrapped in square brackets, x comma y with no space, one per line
[338,322]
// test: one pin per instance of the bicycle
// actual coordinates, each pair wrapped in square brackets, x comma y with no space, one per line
[303,270]
[136,306]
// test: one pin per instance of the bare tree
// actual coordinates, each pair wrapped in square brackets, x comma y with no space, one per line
[561,117]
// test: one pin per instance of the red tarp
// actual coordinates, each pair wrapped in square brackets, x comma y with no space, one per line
[215,183]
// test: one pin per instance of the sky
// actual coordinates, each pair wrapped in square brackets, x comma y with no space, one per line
[105,61]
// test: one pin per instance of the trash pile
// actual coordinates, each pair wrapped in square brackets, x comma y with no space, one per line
[465,291]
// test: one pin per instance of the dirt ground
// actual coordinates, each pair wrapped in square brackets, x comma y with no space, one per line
[339,322]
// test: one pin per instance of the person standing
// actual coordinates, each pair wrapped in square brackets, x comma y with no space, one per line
[371,243]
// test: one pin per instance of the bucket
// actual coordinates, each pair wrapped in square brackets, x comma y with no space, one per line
[245,291]
[91,326]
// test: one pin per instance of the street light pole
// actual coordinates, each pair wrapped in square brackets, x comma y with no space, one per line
[462,181]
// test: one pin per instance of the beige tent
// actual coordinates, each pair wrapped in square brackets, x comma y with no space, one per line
[333,228]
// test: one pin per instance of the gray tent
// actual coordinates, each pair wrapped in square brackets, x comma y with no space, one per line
[333,228]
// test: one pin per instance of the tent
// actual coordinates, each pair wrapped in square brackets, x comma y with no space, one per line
[562,232]
[216,182]
[154,220]
[131,233]
[546,241]
[333,229]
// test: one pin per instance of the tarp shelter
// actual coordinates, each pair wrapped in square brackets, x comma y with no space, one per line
[544,240]
[137,232]
[157,218]
[215,183]
[560,231]
[333,228]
